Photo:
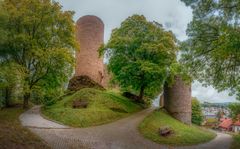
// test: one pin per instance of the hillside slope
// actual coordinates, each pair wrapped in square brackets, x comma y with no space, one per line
[182,134]
[103,107]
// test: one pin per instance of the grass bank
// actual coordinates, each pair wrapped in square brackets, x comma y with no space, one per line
[236,142]
[103,107]
[183,134]
[13,135]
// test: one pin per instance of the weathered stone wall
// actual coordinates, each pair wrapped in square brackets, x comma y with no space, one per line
[161,101]
[177,100]
[106,76]
[90,35]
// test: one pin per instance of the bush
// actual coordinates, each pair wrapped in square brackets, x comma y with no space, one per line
[197,116]
[130,96]
[1,102]
[46,97]
[51,97]
[49,101]
[6,98]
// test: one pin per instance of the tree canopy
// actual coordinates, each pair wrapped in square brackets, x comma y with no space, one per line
[140,54]
[40,38]
[234,110]
[9,77]
[212,51]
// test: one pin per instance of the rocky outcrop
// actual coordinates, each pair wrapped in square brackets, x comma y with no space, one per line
[80,82]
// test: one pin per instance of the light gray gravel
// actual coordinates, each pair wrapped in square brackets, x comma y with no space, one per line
[121,134]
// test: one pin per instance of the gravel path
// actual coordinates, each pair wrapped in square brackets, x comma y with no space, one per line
[222,141]
[121,134]
[33,119]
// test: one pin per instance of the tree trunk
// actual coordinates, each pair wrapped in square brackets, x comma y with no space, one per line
[7,96]
[26,98]
[140,97]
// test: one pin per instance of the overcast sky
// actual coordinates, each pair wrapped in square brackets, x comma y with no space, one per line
[173,14]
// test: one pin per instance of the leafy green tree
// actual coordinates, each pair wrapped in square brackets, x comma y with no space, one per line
[178,69]
[9,77]
[212,51]
[41,39]
[3,22]
[140,54]
[234,109]
[197,115]
[220,114]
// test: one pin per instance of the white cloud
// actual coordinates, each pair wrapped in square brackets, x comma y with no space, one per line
[173,14]
[113,12]
[209,94]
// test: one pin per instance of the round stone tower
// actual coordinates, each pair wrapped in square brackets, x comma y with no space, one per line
[90,35]
[177,100]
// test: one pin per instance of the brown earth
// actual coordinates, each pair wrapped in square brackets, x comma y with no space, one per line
[13,135]
[80,82]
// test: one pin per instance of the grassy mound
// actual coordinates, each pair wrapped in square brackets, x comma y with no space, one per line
[183,134]
[103,107]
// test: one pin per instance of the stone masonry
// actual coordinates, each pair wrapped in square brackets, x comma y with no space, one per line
[177,100]
[90,35]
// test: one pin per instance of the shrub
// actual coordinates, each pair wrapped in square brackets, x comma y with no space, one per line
[234,109]
[46,97]
[1,103]
[197,116]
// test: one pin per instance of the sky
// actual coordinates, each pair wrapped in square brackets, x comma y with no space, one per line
[172,14]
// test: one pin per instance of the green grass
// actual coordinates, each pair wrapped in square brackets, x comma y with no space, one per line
[183,134]
[13,135]
[212,120]
[236,142]
[104,107]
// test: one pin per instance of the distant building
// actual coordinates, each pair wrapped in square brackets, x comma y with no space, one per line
[210,116]
[236,126]
[226,124]
[238,116]
[212,112]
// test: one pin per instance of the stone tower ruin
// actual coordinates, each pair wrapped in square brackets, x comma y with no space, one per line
[177,100]
[90,35]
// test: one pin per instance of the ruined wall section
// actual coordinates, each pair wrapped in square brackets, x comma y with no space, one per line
[177,100]
[106,76]
[161,101]
[90,35]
